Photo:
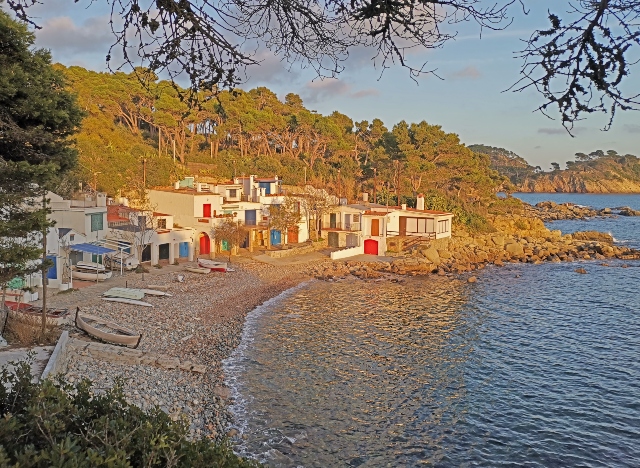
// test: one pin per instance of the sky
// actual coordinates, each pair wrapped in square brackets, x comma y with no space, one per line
[469,97]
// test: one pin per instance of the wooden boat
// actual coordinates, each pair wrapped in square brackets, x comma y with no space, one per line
[213,265]
[126,293]
[107,331]
[121,259]
[127,301]
[89,275]
[153,292]
[202,271]
[53,314]
[91,266]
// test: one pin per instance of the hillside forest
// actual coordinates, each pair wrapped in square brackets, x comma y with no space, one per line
[253,132]
[595,172]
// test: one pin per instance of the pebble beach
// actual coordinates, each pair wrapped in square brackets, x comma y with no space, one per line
[200,323]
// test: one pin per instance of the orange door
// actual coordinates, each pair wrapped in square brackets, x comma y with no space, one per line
[403,225]
[292,235]
[375,227]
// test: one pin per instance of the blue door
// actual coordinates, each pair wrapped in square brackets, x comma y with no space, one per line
[183,250]
[250,217]
[266,186]
[275,237]
[52,273]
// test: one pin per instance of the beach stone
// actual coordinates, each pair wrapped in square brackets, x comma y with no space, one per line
[472,279]
[432,255]
[582,271]
[167,362]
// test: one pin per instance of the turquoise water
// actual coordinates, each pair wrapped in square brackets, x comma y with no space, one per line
[533,365]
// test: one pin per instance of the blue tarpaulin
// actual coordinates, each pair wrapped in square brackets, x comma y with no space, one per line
[90,248]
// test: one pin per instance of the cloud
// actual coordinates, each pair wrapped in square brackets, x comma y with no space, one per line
[270,70]
[320,90]
[537,147]
[561,130]
[365,93]
[631,128]
[66,39]
[467,73]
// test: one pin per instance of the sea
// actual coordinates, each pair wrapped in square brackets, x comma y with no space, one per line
[532,365]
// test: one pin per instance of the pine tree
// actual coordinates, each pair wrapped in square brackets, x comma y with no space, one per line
[37,117]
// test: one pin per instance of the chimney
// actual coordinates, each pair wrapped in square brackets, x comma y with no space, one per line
[365,197]
[199,187]
[101,199]
[420,202]
[404,207]
[176,185]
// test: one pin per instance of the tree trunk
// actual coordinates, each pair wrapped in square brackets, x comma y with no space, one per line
[43,323]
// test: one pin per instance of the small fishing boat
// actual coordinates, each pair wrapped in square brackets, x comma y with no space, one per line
[89,275]
[153,292]
[121,259]
[202,271]
[107,331]
[125,293]
[213,265]
[91,266]
[53,314]
[127,301]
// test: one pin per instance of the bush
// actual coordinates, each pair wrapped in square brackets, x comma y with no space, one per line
[60,424]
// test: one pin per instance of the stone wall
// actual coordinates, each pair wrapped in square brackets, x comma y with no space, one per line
[58,361]
[310,247]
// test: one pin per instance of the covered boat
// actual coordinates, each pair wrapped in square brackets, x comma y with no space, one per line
[107,331]
[89,275]
[213,265]
[202,271]
[53,314]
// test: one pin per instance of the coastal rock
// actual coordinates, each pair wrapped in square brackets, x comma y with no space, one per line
[514,249]
[582,271]
[432,255]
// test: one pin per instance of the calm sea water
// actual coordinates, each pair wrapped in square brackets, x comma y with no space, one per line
[533,365]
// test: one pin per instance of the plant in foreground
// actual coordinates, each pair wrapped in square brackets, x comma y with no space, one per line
[55,423]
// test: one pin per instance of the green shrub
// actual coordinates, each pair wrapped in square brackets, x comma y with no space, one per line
[55,423]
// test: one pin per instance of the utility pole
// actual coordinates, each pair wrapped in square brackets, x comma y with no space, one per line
[339,188]
[43,323]
[305,175]
[144,172]
[375,185]
[174,150]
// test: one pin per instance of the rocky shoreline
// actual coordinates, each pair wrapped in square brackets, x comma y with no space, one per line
[201,324]
[551,211]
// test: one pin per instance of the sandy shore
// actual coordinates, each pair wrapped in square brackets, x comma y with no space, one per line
[202,322]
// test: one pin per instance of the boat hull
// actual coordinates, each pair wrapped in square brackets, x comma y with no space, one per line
[202,271]
[87,275]
[107,331]
[213,266]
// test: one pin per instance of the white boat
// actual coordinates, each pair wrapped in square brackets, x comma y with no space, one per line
[89,275]
[202,271]
[127,301]
[107,331]
[213,265]
[91,266]
[125,293]
[153,292]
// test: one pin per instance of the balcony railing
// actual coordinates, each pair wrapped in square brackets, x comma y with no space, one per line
[338,226]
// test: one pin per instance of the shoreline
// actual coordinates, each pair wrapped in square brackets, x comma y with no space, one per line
[205,320]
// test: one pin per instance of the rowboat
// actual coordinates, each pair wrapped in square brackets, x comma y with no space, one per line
[107,331]
[118,259]
[126,293]
[89,275]
[213,265]
[127,301]
[53,314]
[91,266]
[202,271]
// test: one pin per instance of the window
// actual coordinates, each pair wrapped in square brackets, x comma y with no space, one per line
[162,223]
[443,226]
[356,218]
[233,193]
[72,237]
[97,220]
[142,221]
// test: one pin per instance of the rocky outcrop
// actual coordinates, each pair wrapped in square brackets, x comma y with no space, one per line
[551,211]
[574,182]
[519,240]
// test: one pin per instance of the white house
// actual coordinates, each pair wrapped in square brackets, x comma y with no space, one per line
[161,241]
[379,226]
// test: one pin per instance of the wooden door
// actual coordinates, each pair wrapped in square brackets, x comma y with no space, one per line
[206,210]
[371,247]
[292,235]
[403,225]
[375,227]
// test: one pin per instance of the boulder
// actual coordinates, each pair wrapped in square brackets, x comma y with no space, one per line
[498,240]
[514,249]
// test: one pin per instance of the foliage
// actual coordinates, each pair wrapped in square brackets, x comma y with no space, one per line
[233,233]
[285,216]
[37,117]
[60,424]
[24,329]
[578,64]
[465,215]
[507,163]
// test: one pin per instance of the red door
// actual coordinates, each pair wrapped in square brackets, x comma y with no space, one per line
[204,244]
[371,247]
[206,210]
